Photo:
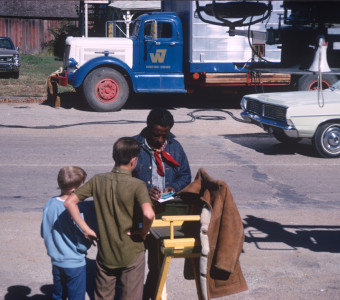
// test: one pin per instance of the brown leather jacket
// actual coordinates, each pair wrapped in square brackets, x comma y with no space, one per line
[225,235]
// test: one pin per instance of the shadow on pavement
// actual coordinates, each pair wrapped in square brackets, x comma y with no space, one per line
[266,144]
[206,98]
[269,235]
[22,292]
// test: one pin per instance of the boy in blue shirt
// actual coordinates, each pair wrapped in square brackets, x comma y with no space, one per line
[65,242]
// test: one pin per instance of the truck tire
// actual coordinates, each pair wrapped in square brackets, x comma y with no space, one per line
[327,140]
[105,90]
[310,82]
[283,138]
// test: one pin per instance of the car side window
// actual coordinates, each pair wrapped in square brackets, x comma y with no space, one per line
[164,30]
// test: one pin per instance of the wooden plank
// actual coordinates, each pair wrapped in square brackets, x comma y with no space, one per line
[182,218]
[244,78]
[180,243]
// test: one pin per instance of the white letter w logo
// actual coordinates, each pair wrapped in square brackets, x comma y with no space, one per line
[159,56]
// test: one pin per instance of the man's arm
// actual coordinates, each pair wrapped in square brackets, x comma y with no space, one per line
[148,216]
[71,204]
[183,175]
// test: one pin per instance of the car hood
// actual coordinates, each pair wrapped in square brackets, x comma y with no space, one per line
[306,103]
[302,98]
[6,52]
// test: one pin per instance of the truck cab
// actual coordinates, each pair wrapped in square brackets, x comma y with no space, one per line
[158,51]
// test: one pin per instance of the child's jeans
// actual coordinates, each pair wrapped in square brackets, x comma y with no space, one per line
[69,283]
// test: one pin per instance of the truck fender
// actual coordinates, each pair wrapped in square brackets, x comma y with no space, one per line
[107,61]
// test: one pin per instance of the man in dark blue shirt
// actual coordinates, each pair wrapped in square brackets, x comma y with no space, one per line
[162,164]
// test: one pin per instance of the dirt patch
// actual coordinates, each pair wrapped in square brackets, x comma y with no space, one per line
[22,99]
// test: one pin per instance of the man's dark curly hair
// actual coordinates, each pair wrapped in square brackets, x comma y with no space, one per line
[160,116]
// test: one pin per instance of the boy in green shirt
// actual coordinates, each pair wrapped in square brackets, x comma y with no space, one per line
[121,203]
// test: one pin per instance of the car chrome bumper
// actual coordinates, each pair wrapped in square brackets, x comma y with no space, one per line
[268,124]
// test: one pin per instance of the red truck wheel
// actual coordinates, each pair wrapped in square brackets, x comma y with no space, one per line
[105,89]
[310,82]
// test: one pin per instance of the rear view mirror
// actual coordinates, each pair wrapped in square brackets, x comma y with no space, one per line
[154,30]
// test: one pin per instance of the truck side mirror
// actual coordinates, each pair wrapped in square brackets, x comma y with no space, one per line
[154,30]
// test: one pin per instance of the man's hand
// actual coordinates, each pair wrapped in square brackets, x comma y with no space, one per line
[169,189]
[141,233]
[148,216]
[155,193]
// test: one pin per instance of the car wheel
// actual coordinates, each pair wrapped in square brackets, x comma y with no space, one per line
[327,140]
[283,138]
[105,89]
[310,82]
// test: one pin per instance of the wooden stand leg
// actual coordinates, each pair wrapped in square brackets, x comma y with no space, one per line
[162,277]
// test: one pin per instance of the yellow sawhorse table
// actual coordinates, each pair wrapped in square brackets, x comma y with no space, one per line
[173,245]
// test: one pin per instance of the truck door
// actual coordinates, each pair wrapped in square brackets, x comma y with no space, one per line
[163,51]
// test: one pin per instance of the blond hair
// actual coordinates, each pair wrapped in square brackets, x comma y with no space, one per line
[69,178]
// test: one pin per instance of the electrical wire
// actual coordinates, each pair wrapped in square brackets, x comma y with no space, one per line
[321,102]
[213,118]
[192,115]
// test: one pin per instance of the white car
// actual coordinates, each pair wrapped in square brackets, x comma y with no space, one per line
[291,116]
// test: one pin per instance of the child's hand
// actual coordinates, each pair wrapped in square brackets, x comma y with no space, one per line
[91,235]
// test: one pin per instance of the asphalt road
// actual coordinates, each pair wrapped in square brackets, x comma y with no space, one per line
[288,198]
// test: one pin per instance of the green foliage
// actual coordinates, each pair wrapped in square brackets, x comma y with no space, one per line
[57,45]
[39,66]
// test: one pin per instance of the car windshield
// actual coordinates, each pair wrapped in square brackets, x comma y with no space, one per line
[5,44]
[335,86]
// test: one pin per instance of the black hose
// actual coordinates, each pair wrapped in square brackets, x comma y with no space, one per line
[122,122]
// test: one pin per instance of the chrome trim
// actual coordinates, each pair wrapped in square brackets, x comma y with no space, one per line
[266,124]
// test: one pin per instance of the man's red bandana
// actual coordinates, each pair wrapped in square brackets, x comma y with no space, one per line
[165,157]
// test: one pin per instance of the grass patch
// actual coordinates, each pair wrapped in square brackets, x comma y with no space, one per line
[34,71]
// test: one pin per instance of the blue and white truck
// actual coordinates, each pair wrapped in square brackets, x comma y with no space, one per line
[190,45]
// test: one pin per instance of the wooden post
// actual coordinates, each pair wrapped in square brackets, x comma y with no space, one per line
[52,92]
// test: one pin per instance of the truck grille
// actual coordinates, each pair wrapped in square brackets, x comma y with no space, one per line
[66,57]
[266,110]
[4,59]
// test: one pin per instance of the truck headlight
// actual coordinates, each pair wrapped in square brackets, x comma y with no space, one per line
[16,59]
[72,62]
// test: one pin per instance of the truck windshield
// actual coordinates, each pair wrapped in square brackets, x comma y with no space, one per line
[6,44]
[135,27]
